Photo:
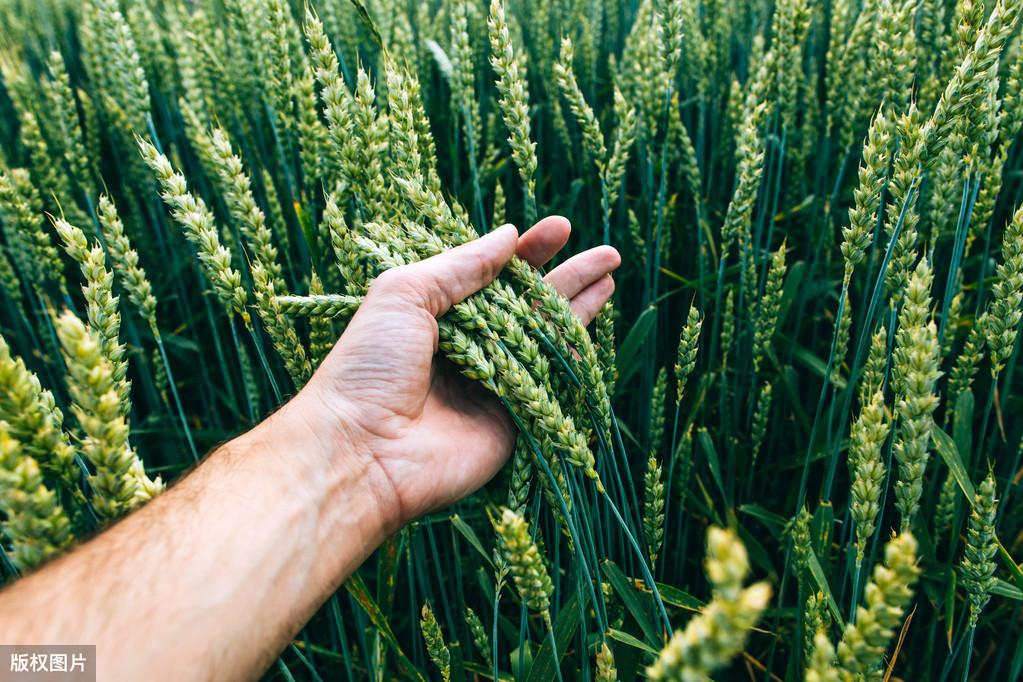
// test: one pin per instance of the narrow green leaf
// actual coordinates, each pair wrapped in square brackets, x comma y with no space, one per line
[932,590]
[821,527]
[679,278]
[387,572]
[626,638]
[789,379]
[702,503]
[818,366]
[627,432]
[357,588]
[797,209]
[714,463]
[676,597]
[485,672]
[469,534]
[179,342]
[457,665]
[962,422]
[521,660]
[1014,569]
[633,600]
[307,231]
[635,338]
[774,522]
[822,584]
[949,453]
[756,551]
[923,538]
[790,289]
[1008,590]
[629,660]
[364,15]
[565,625]
[950,608]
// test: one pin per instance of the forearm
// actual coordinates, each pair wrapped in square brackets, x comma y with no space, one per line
[213,578]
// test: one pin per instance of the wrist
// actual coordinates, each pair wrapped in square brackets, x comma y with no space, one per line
[322,453]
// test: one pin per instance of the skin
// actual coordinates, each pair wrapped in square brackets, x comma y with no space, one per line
[212,579]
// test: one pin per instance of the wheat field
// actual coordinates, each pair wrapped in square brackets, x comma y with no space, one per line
[788,448]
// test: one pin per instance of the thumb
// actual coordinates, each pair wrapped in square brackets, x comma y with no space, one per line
[440,281]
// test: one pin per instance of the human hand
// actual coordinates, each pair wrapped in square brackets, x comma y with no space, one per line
[393,410]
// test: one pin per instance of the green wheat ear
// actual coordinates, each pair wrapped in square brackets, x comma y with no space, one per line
[688,344]
[1003,321]
[915,372]
[527,566]
[479,634]
[514,101]
[713,637]
[30,246]
[978,565]
[887,594]
[35,525]
[200,228]
[125,260]
[817,619]
[435,646]
[821,667]
[32,417]
[97,408]
[653,508]
[866,465]
[606,671]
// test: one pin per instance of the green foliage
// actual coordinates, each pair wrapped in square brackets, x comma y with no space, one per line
[817,208]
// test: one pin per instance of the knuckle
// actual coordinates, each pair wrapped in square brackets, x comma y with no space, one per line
[402,284]
[388,280]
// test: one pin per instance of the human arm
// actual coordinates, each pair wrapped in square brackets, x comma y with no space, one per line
[212,579]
